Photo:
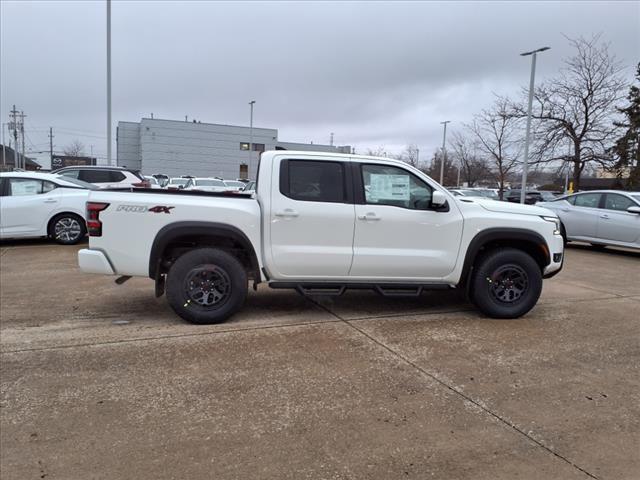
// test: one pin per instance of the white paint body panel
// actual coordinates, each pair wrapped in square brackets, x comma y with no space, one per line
[305,240]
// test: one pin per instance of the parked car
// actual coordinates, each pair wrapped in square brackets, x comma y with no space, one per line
[531,196]
[463,192]
[153,182]
[208,185]
[322,223]
[234,184]
[161,178]
[602,217]
[177,183]
[43,205]
[250,187]
[105,177]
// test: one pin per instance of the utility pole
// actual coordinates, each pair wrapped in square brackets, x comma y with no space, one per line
[331,139]
[526,138]
[444,151]
[13,125]
[24,157]
[51,145]
[109,82]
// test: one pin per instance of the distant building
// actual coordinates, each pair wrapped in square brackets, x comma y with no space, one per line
[178,148]
[8,160]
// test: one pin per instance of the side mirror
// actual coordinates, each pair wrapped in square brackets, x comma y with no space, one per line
[633,210]
[438,199]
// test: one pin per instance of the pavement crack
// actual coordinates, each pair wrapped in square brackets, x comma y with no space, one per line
[164,337]
[455,390]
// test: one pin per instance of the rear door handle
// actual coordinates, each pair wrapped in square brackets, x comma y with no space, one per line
[51,200]
[287,213]
[564,209]
[369,217]
[604,216]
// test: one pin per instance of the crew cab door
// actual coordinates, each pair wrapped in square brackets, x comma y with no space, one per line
[615,223]
[311,218]
[581,219]
[398,234]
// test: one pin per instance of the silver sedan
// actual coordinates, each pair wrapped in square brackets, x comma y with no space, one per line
[603,217]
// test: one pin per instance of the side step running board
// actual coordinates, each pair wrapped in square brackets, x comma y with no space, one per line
[337,289]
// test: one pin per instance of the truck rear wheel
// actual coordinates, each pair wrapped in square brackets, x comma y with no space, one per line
[506,283]
[206,286]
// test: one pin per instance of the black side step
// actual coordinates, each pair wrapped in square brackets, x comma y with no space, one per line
[337,289]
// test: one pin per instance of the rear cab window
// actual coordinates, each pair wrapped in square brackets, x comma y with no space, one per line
[313,180]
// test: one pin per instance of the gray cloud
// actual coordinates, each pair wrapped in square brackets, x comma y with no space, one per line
[374,73]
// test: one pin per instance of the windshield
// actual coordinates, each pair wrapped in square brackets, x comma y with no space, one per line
[207,182]
[179,181]
[78,183]
[636,197]
[231,183]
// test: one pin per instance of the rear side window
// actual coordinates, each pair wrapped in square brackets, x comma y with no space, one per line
[614,201]
[101,176]
[70,173]
[118,176]
[313,181]
[591,200]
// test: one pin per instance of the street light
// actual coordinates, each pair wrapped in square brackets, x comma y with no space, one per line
[526,139]
[251,103]
[109,82]
[444,151]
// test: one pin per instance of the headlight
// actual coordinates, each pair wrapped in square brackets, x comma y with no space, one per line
[555,221]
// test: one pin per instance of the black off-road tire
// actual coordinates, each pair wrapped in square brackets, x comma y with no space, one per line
[206,286]
[67,228]
[505,283]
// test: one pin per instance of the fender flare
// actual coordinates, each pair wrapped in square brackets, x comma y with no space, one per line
[173,231]
[501,234]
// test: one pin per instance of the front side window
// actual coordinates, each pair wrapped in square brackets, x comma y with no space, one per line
[591,200]
[613,201]
[313,181]
[394,186]
[19,187]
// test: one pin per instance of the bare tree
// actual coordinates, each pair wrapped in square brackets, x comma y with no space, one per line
[498,134]
[465,155]
[377,152]
[450,170]
[411,155]
[578,107]
[74,149]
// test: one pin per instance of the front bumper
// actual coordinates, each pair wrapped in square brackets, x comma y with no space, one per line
[94,261]
[556,250]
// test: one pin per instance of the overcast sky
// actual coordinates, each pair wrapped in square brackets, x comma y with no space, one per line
[375,73]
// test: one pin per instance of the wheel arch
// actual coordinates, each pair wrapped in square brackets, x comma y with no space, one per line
[61,213]
[185,235]
[527,240]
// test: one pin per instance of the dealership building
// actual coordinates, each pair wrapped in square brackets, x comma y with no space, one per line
[179,148]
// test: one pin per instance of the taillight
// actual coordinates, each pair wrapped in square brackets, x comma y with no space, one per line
[142,184]
[94,225]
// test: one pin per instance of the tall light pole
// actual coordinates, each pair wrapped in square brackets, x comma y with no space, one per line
[109,82]
[251,104]
[444,150]
[526,139]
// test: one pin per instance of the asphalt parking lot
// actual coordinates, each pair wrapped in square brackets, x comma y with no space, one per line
[104,381]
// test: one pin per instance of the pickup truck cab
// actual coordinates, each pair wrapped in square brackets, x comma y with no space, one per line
[323,223]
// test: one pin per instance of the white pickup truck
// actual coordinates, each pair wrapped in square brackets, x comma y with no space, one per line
[322,223]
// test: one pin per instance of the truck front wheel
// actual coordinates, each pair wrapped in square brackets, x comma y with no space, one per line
[206,286]
[506,283]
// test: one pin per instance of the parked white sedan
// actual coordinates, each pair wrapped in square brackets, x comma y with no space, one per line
[604,217]
[43,205]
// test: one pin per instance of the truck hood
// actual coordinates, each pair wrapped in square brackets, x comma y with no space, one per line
[508,207]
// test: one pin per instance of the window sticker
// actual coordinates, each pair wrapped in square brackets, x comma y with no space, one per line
[389,187]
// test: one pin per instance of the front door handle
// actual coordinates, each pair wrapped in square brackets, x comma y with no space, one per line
[604,215]
[369,217]
[287,213]
[51,200]
[564,209]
